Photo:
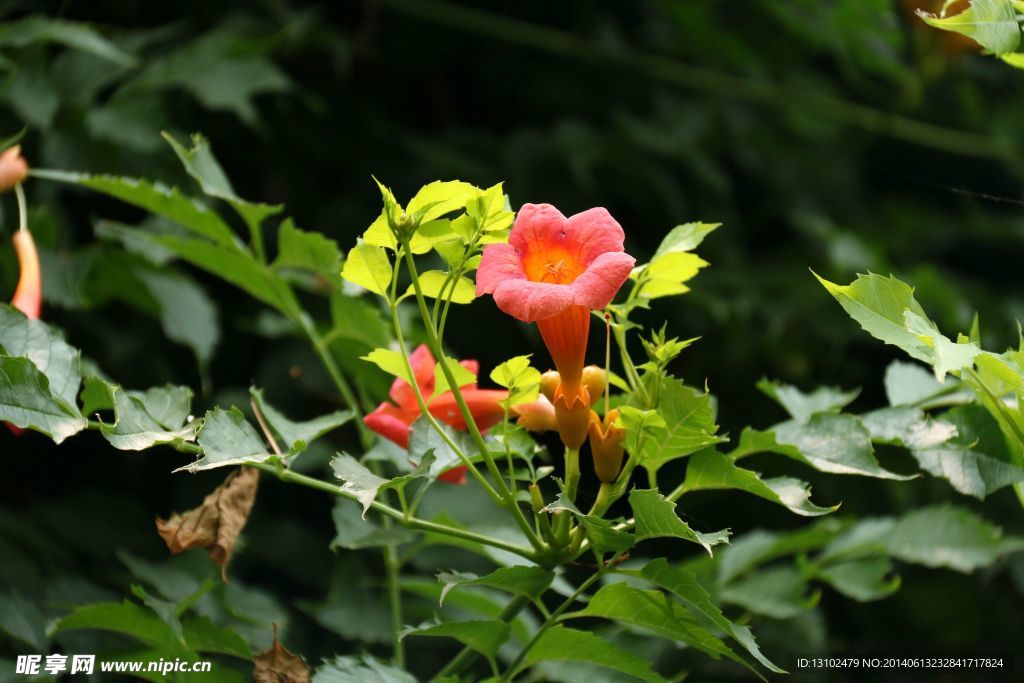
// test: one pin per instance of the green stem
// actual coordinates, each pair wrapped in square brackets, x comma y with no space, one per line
[467,656]
[572,472]
[434,344]
[391,564]
[397,515]
[549,622]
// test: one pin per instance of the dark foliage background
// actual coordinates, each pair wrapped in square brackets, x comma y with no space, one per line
[838,136]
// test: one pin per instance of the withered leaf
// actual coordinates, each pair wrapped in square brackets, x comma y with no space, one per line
[278,665]
[217,523]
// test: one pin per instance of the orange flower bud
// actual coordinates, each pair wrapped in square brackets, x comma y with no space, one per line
[536,416]
[572,414]
[28,297]
[549,382]
[606,446]
[13,168]
[596,381]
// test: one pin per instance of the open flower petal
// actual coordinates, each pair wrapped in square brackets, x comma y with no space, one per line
[500,263]
[595,232]
[536,226]
[391,422]
[531,301]
[599,283]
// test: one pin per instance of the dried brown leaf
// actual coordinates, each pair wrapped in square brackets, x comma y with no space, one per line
[217,523]
[278,665]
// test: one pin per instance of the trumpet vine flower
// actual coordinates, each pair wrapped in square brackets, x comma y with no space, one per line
[553,271]
[394,420]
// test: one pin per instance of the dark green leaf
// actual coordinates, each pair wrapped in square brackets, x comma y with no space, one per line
[656,518]
[565,644]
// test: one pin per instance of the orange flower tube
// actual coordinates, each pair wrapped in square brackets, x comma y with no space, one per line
[554,271]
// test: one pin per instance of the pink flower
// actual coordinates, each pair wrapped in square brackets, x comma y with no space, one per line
[554,271]
[394,420]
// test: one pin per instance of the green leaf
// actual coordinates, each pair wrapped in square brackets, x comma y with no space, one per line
[935,536]
[665,274]
[601,533]
[907,383]
[490,209]
[439,198]
[423,438]
[237,267]
[187,314]
[156,198]
[656,518]
[684,585]
[296,436]
[358,319]
[802,406]
[46,348]
[777,592]
[947,356]
[432,281]
[463,377]
[652,611]
[753,549]
[27,402]
[366,486]
[990,23]
[838,444]
[390,362]
[710,470]
[359,669]
[353,532]
[368,266]
[75,35]
[22,620]
[976,461]
[135,429]
[483,636]
[227,439]
[223,69]
[908,427]
[879,304]
[126,618]
[565,644]
[862,580]
[519,377]
[308,251]
[522,580]
[690,425]
[686,237]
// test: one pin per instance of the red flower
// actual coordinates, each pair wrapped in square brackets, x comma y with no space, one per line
[554,271]
[394,420]
[28,297]
[13,168]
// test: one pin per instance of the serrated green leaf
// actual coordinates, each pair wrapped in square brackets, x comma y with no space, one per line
[75,35]
[227,438]
[125,617]
[934,536]
[990,23]
[391,362]
[565,644]
[656,518]
[879,304]
[157,199]
[359,669]
[652,611]
[519,377]
[135,429]
[27,402]
[907,383]
[862,580]
[947,356]
[368,266]
[439,198]
[187,314]
[352,532]
[686,237]
[463,377]
[838,444]
[684,585]
[800,405]
[483,636]
[710,470]
[601,533]
[690,425]
[298,435]
[757,547]
[366,486]
[310,251]
[527,581]
[46,348]
[779,592]
[432,281]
